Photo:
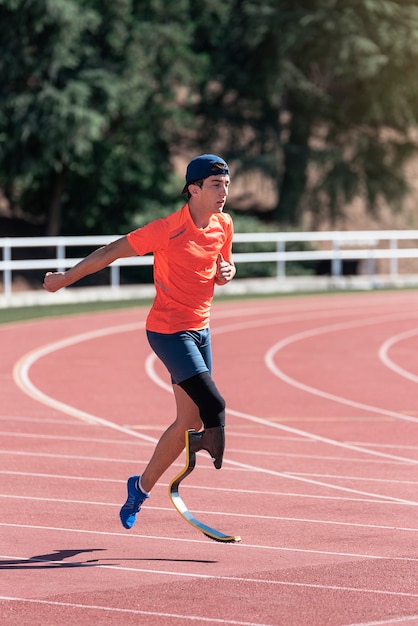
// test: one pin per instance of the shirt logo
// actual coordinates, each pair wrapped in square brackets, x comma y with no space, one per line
[178,234]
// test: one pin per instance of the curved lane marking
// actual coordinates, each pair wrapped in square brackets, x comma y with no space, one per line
[150,368]
[22,379]
[271,353]
[384,357]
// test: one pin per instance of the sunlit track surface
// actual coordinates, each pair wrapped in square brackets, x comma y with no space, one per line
[320,474]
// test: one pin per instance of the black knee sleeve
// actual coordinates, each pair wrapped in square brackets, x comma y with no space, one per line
[203,391]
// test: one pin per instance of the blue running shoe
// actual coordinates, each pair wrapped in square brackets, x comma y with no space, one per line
[132,505]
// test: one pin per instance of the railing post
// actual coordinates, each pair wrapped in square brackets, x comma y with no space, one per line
[114,276]
[371,263]
[336,260]
[393,260]
[7,274]
[61,255]
[281,263]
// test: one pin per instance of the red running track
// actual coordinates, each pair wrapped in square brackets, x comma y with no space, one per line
[320,475]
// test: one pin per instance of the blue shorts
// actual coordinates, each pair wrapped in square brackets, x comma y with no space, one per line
[184,354]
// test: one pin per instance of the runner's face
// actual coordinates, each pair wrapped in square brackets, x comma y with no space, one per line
[214,192]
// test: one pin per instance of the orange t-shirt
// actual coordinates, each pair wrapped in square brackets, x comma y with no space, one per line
[184,267]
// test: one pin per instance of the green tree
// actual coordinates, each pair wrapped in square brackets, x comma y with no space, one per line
[87,107]
[318,94]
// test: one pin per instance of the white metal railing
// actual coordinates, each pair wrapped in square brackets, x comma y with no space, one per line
[333,246]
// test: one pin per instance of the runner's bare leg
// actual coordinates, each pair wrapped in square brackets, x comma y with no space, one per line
[171,443]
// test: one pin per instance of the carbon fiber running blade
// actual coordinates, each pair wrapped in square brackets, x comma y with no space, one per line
[176,499]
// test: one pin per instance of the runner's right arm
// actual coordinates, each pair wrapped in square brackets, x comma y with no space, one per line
[94,262]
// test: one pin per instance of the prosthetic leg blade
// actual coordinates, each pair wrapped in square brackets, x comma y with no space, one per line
[195,442]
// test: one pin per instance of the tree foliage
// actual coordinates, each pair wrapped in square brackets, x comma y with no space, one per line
[87,115]
[319,95]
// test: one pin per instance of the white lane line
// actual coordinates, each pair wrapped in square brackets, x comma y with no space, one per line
[319,483]
[384,445]
[41,420]
[151,371]
[76,457]
[256,516]
[362,478]
[282,494]
[23,381]
[384,357]
[287,341]
[243,451]
[237,546]
[269,359]
[110,609]
[39,437]
[22,378]
[390,621]
[205,459]
[389,481]
[268,581]
[326,440]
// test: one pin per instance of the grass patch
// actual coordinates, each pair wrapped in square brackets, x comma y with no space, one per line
[19,314]
[35,312]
